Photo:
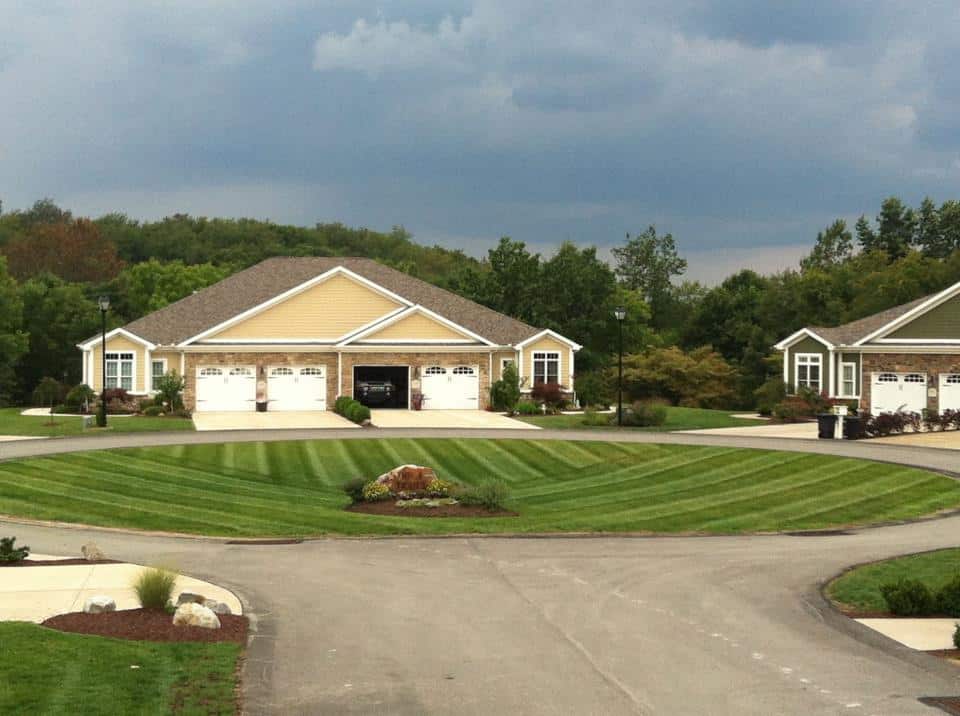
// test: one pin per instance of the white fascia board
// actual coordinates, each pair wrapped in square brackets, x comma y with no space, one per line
[399,316]
[918,341]
[914,312]
[553,334]
[94,342]
[289,293]
[794,337]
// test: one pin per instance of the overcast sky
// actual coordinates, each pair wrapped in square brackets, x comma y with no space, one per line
[741,126]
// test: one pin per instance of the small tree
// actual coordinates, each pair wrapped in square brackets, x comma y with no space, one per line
[510,392]
[170,390]
[80,397]
[47,393]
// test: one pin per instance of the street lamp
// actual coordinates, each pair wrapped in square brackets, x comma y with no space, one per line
[104,303]
[620,313]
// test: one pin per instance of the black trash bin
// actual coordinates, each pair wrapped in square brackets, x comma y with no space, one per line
[827,426]
[261,406]
[852,427]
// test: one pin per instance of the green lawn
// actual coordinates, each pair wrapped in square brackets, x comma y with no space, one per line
[860,587]
[49,672]
[677,419]
[12,423]
[292,488]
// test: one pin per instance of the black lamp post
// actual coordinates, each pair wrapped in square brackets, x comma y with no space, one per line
[104,303]
[620,313]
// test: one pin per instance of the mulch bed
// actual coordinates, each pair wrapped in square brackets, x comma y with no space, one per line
[390,509]
[950,704]
[148,625]
[56,562]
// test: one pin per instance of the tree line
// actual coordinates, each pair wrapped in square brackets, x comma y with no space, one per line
[684,342]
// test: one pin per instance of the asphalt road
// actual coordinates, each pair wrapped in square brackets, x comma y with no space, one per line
[672,625]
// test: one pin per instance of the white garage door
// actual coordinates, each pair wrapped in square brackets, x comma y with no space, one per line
[226,388]
[449,387]
[297,388]
[949,391]
[890,392]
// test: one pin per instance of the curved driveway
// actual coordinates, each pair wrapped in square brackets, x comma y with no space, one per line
[607,625]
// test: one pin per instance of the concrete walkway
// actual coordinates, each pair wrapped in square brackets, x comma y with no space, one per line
[922,634]
[789,431]
[37,593]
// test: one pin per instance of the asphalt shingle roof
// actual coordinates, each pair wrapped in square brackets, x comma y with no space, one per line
[850,333]
[251,287]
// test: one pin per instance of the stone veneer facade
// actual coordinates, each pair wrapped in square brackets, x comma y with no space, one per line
[932,364]
[262,360]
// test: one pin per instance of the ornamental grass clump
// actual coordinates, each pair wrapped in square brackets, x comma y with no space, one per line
[154,587]
[491,494]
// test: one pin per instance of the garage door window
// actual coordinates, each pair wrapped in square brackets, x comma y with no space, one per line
[463,370]
[120,370]
[808,371]
[546,367]
[952,380]
[208,372]
[311,371]
[241,371]
[276,372]
[914,378]
[435,370]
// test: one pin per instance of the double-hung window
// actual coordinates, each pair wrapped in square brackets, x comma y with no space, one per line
[546,367]
[809,371]
[848,380]
[158,369]
[119,371]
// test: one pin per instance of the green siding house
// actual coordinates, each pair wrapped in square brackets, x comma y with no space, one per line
[905,358]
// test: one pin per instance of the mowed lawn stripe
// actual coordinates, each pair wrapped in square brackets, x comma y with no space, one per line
[293,488]
[675,484]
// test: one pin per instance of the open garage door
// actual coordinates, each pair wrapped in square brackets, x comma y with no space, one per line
[226,388]
[893,392]
[297,388]
[382,386]
[451,387]
[949,391]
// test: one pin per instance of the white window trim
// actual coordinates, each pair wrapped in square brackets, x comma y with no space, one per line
[853,368]
[133,369]
[547,357]
[153,360]
[796,369]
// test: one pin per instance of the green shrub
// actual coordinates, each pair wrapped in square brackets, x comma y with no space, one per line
[528,407]
[342,403]
[60,409]
[768,395]
[790,411]
[948,598]
[908,598]
[48,392]
[154,587]
[353,488]
[593,418]
[152,411]
[956,636]
[375,491]
[357,412]
[80,396]
[9,553]
[491,494]
[644,415]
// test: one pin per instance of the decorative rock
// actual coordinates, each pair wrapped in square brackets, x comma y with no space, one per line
[98,603]
[91,552]
[193,614]
[217,607]
[190,598]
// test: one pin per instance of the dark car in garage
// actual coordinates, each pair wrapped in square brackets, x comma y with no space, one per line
[376,393]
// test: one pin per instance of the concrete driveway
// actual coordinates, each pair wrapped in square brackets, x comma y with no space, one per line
[277,420]
[468,419]
[726,625]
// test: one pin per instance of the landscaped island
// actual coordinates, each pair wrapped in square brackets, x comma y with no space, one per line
[295,488]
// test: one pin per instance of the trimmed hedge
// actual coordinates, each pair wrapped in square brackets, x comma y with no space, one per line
[351,409]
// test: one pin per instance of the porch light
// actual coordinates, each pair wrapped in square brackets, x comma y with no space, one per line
[620,313]
[104,303]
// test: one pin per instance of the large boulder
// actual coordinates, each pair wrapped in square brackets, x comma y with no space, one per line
[99,603]
[91,552]
[216,607]
[408,478]
[193,614]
